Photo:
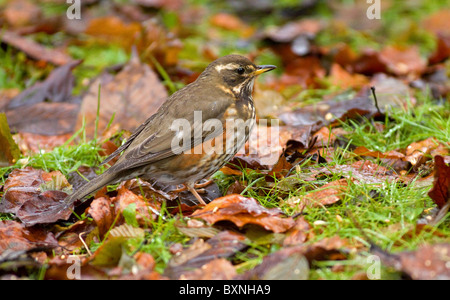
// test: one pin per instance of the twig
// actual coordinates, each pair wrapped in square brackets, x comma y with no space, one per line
[84,243]
[372,88]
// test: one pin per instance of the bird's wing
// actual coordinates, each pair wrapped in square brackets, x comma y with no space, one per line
[154,140]
[128,141]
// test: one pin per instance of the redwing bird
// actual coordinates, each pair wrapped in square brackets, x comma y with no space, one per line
[222,92]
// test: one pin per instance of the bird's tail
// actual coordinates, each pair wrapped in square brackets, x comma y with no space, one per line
[91,187]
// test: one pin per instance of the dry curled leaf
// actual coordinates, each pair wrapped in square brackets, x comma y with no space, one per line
[241,211]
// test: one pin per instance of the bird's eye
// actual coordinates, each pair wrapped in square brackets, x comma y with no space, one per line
[240,70]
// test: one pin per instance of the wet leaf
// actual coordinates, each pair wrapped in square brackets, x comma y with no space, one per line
[284,264]
[325,112]
[363,151]
[223,245]
[27,197]
[146,210]
[428,262]
[440,193]
[419,152]
[102,211]
[241,211]
[298,234]
[328,194]
[363,171]
[15,236]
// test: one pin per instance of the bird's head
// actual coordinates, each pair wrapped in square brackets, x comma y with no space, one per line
[235,73]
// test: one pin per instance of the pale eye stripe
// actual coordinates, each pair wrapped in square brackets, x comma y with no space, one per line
[230,66]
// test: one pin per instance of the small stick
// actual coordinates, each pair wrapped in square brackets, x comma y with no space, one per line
[372,88]
[84,243]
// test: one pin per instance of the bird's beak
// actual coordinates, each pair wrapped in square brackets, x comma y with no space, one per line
[263,69]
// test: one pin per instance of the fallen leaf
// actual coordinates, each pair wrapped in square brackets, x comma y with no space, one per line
[40,208]
[20,184]
[403,61]
[292,260]
[327,194]
[133,95]
[392,92]
[9,151]
[102,211]
[57,87]
[112,29]
[31,143]
[232,23]
[281,167]
[440,192]
[442,51]
[363,151]
[437,22]
[298,234]
[241,211]
[363,171]
[223,245]
[35,50]
[325,112]
[146,210]
[21,13]
[284,264]
[290,31]
[15,237]
[69,236]
[27,196]
[419,152]
[428,262]
[344,79]
[46,105]
[235,188]
[218,269]
[44,118]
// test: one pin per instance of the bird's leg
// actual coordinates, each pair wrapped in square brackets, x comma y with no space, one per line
[204,184]
[181,189]
[194,192]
